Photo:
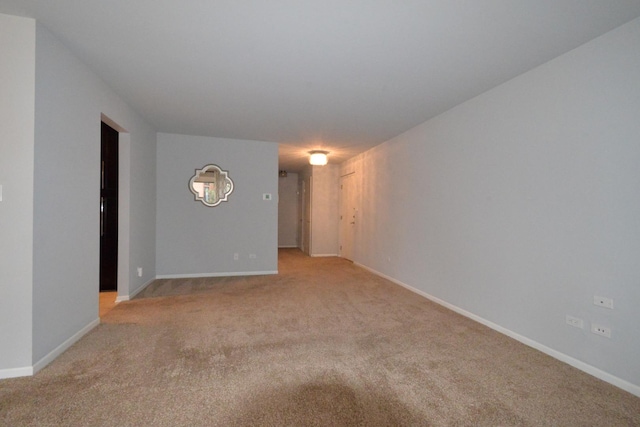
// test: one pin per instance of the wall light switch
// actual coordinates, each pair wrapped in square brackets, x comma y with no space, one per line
[574,321]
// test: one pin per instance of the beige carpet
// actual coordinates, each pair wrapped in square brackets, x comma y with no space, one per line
[324,343]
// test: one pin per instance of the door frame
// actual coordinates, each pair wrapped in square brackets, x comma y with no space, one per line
[124,207]
[109,211]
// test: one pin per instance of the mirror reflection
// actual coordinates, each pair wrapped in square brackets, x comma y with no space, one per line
[211,185]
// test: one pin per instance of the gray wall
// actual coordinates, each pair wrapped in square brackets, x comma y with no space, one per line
[17,86]
[196,240]
[520,205]
[70,100]
[288,218]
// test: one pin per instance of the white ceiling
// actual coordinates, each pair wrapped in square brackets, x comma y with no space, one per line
[341,75]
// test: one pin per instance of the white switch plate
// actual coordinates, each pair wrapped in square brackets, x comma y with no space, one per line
[0,193]
[575,321]
[601,330]
[139,271]
[603,302]
[266,196]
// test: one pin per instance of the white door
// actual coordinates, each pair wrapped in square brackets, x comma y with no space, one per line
[299,236]
[348,215]
[306,217]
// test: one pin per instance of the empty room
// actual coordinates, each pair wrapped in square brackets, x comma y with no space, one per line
[320,213]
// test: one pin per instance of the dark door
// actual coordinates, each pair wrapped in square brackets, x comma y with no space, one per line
[109,209]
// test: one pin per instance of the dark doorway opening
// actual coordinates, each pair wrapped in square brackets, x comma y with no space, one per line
[109,209]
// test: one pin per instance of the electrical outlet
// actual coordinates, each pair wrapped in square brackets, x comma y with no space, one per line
[601,330]
[236,256]
[139,271]
[603,302]
[575,322]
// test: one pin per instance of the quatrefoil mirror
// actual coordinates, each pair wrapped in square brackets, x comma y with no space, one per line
[211,185]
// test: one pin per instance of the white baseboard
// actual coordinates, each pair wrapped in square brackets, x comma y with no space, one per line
[121,298]
[226,274]
[64,346]
[288,247]
[26,371]
[323,255]
[585,367]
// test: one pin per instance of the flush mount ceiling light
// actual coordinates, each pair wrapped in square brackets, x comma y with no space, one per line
[318,157]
